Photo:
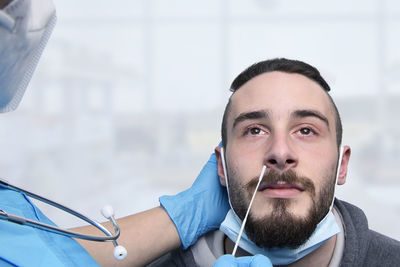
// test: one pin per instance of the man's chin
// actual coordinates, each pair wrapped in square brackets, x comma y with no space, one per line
[280,229]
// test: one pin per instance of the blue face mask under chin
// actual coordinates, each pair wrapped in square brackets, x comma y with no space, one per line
[281,256]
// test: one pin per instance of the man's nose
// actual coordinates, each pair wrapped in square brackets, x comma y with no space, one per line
[280,154]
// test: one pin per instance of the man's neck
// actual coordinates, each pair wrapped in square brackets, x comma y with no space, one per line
[319,257]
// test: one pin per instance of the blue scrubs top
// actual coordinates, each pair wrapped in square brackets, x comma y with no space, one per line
[27,246]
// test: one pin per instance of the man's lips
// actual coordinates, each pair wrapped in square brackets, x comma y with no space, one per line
[279,185]
[281,189]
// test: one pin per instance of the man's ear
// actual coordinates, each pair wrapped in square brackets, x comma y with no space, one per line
[221,173]
[344,165]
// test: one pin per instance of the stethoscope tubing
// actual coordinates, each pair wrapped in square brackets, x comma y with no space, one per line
[43,226]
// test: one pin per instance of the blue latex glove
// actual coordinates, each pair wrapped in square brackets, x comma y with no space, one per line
[200,208]
[249,261]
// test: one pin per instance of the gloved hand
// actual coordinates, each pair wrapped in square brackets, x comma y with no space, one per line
[200,208]
[249,261]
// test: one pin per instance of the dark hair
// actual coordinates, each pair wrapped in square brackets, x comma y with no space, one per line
[287,66]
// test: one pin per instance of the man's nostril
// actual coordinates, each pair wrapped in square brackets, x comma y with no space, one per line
[272,161]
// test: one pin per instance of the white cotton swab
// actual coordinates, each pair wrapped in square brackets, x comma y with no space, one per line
[248,210]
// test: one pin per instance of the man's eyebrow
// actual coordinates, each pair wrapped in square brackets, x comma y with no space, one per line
[252,115]
[303,113]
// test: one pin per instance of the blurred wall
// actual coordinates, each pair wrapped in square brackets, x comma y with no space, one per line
[127,101]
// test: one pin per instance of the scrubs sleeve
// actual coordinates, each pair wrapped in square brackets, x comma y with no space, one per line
[27,246]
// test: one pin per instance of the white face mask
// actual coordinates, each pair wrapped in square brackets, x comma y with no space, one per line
[25,27]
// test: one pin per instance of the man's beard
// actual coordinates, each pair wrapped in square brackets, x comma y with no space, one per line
[281,228]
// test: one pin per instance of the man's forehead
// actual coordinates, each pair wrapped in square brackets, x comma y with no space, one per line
[281,94]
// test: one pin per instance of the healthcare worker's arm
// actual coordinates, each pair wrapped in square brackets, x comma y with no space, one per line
[146,236]
[150,234]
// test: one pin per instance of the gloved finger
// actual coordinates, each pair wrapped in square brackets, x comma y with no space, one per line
[208,178]
[248,261]
[212,159]
[244,261]
[225,261]
[260,261]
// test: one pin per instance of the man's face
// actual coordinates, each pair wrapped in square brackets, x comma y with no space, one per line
[286,122]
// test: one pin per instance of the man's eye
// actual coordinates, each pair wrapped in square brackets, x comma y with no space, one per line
[255,131]
[306,131]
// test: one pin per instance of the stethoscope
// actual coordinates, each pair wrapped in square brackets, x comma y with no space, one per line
[107,211]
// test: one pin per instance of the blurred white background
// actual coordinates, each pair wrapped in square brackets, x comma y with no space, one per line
[127,101]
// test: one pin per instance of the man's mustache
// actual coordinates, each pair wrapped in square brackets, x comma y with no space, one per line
[289,177]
